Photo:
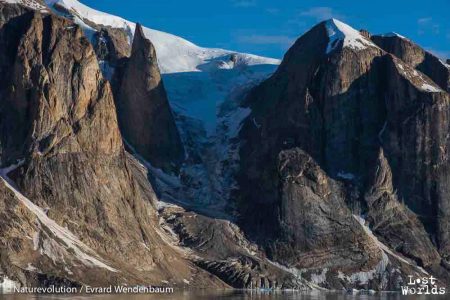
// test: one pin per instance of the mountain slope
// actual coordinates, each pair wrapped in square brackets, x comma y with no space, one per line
[361,117]
[200,83]
[58,117]
[331,173]
[415,56]
[145,118]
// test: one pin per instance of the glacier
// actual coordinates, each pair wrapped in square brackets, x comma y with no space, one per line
[205,87]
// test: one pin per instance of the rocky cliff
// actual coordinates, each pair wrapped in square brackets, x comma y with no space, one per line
[58,123]
[361,128]
[416,57]
[341,159]
[145,117]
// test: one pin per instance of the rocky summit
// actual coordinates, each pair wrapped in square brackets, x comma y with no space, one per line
[133,157]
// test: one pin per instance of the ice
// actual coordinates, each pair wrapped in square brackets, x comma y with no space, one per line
[320,277]
[175,54]
[199,82]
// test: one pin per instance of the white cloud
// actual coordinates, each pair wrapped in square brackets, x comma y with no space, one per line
[321,13]
[258,39]
[243,3]
[427,25]
[423,21]
[272,11]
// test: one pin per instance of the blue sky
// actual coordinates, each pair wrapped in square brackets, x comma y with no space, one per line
[268,27]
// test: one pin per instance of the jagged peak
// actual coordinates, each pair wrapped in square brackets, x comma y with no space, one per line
[139,30]
[352,38]
[417,78]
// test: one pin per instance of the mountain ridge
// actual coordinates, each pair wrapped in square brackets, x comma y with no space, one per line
[329,172]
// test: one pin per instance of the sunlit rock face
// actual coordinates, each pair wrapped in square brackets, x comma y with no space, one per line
[92,218]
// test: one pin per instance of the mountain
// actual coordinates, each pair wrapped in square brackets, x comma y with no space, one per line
[145,117]
[203,86]
[132,156]
[77,208]
[345,131]
[415,56]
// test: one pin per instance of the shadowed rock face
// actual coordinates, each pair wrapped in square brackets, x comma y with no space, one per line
[342,109]
[417,57]
[318,228]
[57,116]
[112,48]
[145,117]
[343,178]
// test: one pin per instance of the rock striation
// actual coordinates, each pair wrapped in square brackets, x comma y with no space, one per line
[341,158]
[416,57]
[344,123]
[145,117]
[58,124]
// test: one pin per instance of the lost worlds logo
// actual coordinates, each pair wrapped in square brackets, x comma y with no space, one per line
[422,286]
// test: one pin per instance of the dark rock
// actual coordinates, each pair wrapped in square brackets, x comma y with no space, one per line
[365,33]
[112,48]
[341,109]
[145,117]
[221,248]
[57,116]
[393,221]
[416,57]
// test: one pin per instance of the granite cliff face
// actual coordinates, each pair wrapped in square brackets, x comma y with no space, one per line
[58,124]
[416,57]
[361,128]
[341,157]
[145,117]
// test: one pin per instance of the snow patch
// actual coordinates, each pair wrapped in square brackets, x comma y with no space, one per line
[352,38]
[418,79]
[7,285]
[383,247]
[319,278]
[31,268]
[380,134]
[392,34]
[79,249]
[344,175]
[365,277]
[429,88]
[36,238]
[175,54]
[33,4]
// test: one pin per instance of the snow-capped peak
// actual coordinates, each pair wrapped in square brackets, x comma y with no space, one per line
[175,54]
[194,76]
[204,87]
[352,38]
